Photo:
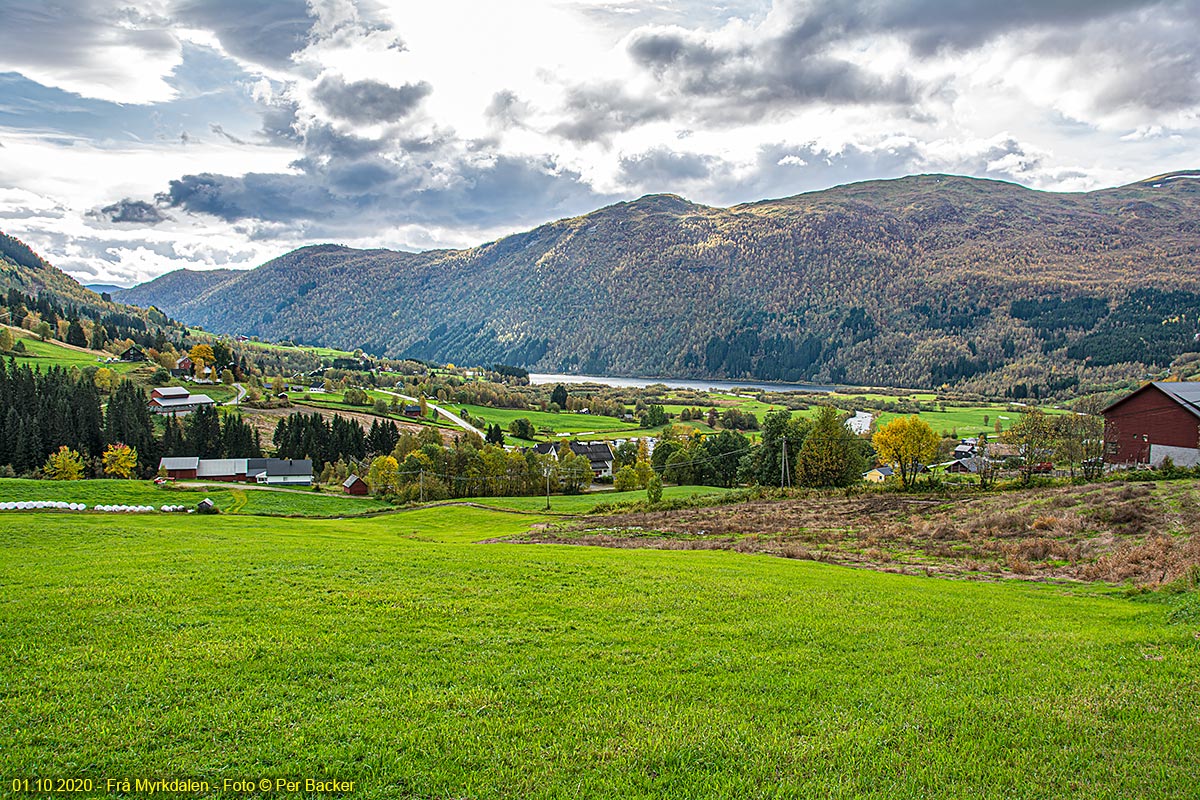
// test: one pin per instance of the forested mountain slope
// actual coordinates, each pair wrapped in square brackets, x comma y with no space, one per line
[919,281]
[33,289]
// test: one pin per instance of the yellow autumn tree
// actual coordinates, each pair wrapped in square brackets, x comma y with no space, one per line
[120,460]
[64,464]
[908,443]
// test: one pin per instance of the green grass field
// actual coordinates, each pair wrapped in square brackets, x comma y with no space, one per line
[229,497]
[394,652]
[43,355]
[583,503]
[563,422]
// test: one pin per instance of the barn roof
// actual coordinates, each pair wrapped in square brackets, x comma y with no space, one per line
[179,462]
[1185,393]
[353,479]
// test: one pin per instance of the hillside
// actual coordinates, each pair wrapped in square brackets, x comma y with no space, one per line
[920,281]
[175,288]
[28,283]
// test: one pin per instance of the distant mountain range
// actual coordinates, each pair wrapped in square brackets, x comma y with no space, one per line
[922,281]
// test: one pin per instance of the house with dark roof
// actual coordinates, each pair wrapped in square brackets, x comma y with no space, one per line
[878,475]
[599,453]
[134,354]
[282,471]
[355,485]
[1158,421]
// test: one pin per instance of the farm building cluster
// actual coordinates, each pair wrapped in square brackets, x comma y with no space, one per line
[268,471]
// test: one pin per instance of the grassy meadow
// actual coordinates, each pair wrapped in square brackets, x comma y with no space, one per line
[231,498]
[397,652]
[43,355]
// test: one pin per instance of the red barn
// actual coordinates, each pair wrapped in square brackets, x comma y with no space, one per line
[1160,420]
[354,485]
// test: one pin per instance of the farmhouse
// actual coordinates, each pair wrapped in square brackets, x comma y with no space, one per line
[878,475]
[354,485]
[599,453]
[183,367]
[176,401]
[134,354]
[1158,421]
[412,410]
[290,472]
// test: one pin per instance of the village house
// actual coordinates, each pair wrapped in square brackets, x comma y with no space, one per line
[354,485]
[1158,421]
[177,401]
[134,354]
[279,471]
[878,475]
[600,454]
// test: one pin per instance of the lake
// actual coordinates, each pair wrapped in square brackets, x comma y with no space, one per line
[538,379]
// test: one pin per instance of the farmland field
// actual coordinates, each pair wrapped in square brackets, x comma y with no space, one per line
[229,497]
[396,652]
[43,355]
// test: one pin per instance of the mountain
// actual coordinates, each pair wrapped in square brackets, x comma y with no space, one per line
[25,271]
[920,281]
[30,283]
[103,288]
[175,288]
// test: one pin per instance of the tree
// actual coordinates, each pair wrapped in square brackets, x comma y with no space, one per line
[424,404]
[495,434]
[644,472]
[830,455]
[104,379]
[42,329]
[655,415]
[75,334]
[120,460]
[227,377]
[722,455]
[64,465]
[574,471]
[559,396]
[680,467]
[202,429]
[908,443]
[1033,436]
[355,396]
[202,354]
[384,475]
[625,479]
[1079,441]
[521,428]
[6,340]
[654,489]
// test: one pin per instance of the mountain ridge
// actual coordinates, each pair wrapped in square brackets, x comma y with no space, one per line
[876,282]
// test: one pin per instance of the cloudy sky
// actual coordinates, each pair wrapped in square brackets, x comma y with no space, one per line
[140,138]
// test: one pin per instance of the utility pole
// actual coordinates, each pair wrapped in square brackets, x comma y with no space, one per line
[421,478]
[546,471]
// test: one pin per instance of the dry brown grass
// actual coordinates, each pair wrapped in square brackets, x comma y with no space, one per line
[1137,532]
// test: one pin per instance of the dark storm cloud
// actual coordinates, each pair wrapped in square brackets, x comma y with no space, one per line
[68,33]
[132,211]
[369,102]
[360,196]
[595,112]
[665,169]
[266,33]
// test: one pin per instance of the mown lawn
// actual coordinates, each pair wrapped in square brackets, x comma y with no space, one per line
[583,503]
[229,497]
[394,652]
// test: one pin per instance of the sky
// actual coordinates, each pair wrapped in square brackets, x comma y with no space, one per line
[136,139]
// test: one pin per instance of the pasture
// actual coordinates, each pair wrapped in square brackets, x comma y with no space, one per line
[397,652]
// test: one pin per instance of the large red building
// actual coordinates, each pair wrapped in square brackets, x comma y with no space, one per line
[1160,420]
